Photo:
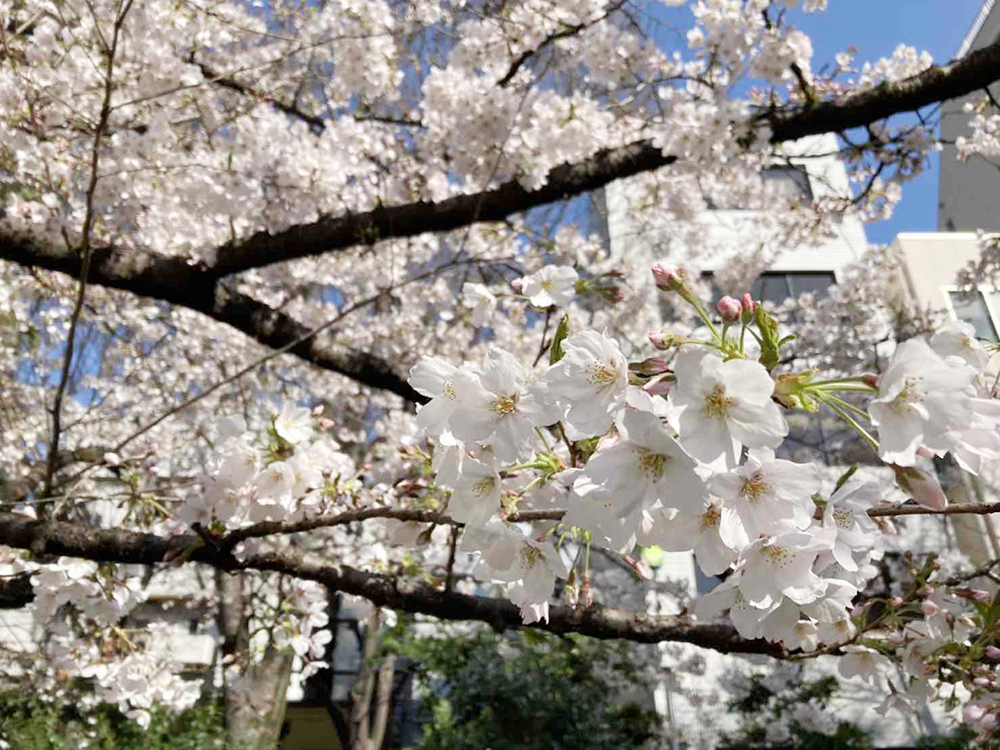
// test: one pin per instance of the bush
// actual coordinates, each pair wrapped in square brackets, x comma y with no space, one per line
[29,723]
[530,690]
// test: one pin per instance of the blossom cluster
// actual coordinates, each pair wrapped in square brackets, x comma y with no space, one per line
[680,453]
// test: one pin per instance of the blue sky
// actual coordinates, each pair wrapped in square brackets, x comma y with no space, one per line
[876,27]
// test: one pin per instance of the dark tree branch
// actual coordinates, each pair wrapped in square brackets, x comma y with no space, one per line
[177,281]
[114,545]
[328,234]
[568,31]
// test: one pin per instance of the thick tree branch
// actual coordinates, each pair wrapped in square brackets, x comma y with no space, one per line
[174,280]
[328,234]
[114,545]
[179,282]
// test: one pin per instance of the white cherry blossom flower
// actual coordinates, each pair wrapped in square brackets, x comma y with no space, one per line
[747,619]
[481,300]
[294,423]
[679,533]
[863,662]
[846,514]
[589,383]
[649,466]
[922,401]
[476,496]
[956,338]
[434,377]
[726,405]
[501,406]
[550,285]
[782,566]
[767,495]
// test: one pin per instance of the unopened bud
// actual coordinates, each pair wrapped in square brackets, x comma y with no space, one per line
[921,486]
[662,340]
[640,567]
[929,608]
[658,386]
[586,592]
[749,307]
[992,652]
[318,410]
[649,367]
[972,714]
[871,379]
[730,309]
[668,277]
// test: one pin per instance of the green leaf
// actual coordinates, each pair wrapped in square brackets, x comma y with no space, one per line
[556,352]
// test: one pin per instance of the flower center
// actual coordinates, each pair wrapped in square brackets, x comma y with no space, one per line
[530,556]
[717,403]
[448,389]
[547,286]
[842,517]
[711,517]
[483,486]
[754,487]
[505,406]
[908,395]
[603,373]
[779,557]
[652,464]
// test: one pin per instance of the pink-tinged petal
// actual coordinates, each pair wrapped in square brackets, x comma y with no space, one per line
[921,486]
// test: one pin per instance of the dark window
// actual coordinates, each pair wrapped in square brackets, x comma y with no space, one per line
[777,286]
[788,181]
[973,308]
[784,181]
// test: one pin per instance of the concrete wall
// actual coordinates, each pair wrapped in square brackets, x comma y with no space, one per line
[969,191]
[726,232]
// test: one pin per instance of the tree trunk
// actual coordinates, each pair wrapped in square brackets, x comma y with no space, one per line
[370,704]
[255,703]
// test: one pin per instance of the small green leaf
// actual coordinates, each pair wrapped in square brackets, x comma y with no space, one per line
[556,353]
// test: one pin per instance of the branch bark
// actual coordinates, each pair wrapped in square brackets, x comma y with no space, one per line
[408,595]
[197,286]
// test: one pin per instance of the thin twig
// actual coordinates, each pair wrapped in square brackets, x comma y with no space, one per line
[88,222]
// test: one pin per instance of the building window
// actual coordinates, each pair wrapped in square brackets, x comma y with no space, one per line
[980,308]
[777,286]
[788,181]
[784,181]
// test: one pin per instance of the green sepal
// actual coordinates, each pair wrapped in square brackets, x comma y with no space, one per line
[556,352]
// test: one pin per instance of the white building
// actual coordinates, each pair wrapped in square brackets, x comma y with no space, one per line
[967,190]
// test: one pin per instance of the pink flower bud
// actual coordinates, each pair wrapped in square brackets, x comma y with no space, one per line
[921,486]
[992,652]
[318,410]
[587,592]
[729,308]
[749,306]
[897,601]
[929,608]
[988,721]
[972,713]
[662,340]
[871,379]
[668,277]
[658,386]
[981,681]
